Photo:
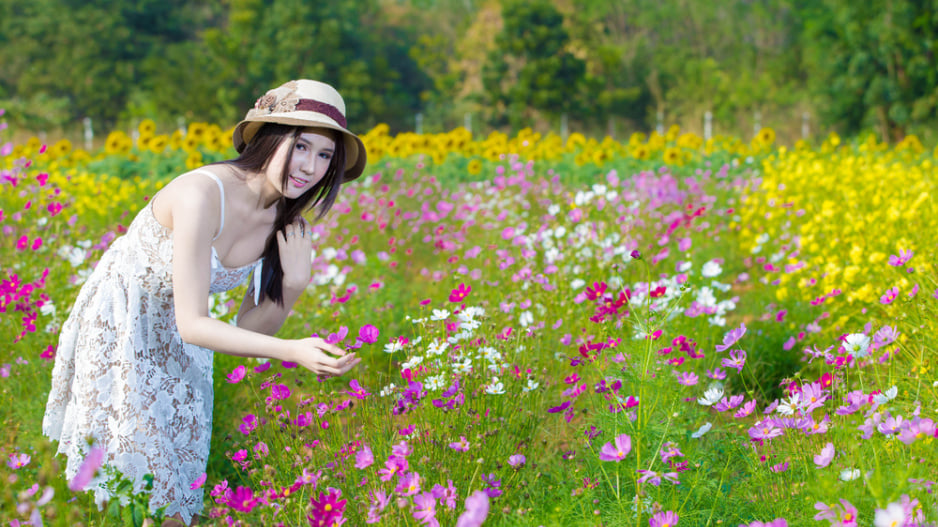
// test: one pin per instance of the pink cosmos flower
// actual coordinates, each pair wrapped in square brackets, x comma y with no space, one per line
[687,378]
[445,494]
[889,295]
[732,337]
[664,519]
[902,259]
[199,481]
[425,509]
[728,403]
[18,461]
[364,458]
[716,374]
[356,390]
[824,458]
[87,470]
[409,484]
[778,522]
[461,446]
[517,460]
[843,514]
[617,452]
[249,423]
[737,360]
[765,429]
[917,428]
[746,409]
[477,509]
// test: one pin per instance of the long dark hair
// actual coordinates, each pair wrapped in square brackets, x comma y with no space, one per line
[255,157]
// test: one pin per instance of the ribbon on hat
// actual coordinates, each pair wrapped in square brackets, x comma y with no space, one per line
[310,105]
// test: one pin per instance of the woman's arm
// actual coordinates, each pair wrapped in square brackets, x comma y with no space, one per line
[195,212]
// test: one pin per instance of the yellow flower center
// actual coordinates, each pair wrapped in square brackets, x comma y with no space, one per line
[328,507]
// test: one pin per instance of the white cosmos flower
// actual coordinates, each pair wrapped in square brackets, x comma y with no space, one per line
[526,319]
[532,385]
[490,354]
[702,430]
[413,362]
[849,474]
[577,283]
[387,390]
[393,347]
[857,344]
[74,255]
[495,387]
[463,367]
[712,396]
[471,312]
[885,397]
[434,383]
[439,314]
[711,269]
[437,347]
[788,406]
[48,308]
[554,209]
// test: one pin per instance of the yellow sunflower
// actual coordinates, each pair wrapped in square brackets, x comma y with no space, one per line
[640,152]
[158,144]
[61,148]
[475,167]
[116,142]
[196,132]
[194,160]
[672,156]
[766,136]
[147,127]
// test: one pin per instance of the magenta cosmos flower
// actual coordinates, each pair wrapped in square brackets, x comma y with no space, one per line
[460,293]
[617,451]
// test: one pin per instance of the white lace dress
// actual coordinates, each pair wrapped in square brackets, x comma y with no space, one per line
[124,377]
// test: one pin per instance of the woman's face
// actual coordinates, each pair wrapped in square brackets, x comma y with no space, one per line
[312,155]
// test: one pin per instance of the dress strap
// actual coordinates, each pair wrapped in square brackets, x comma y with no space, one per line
[221,189]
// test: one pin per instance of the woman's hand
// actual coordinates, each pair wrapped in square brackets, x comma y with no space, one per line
[295,244]
[322,358]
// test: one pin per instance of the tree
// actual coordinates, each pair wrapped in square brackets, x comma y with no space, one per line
[531,67]
[874,64]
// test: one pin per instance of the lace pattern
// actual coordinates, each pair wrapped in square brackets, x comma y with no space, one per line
[124,377]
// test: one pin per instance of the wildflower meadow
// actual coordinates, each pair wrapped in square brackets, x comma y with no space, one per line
[659,331]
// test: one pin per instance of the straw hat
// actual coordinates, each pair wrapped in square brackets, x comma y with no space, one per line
[304,103]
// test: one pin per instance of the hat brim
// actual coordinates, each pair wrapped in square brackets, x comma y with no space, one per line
[355,153]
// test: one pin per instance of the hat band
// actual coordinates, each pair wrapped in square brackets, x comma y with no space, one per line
[310,105]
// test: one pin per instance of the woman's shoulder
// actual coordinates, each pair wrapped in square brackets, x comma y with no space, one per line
[193,189]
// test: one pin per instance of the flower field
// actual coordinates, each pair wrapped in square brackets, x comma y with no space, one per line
[664,331]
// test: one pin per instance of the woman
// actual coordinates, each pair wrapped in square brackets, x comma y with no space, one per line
[133,368]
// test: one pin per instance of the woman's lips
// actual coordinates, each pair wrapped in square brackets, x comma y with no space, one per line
[298,182]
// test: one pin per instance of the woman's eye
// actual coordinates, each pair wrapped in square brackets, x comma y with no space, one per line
[325,155]
[300,147]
